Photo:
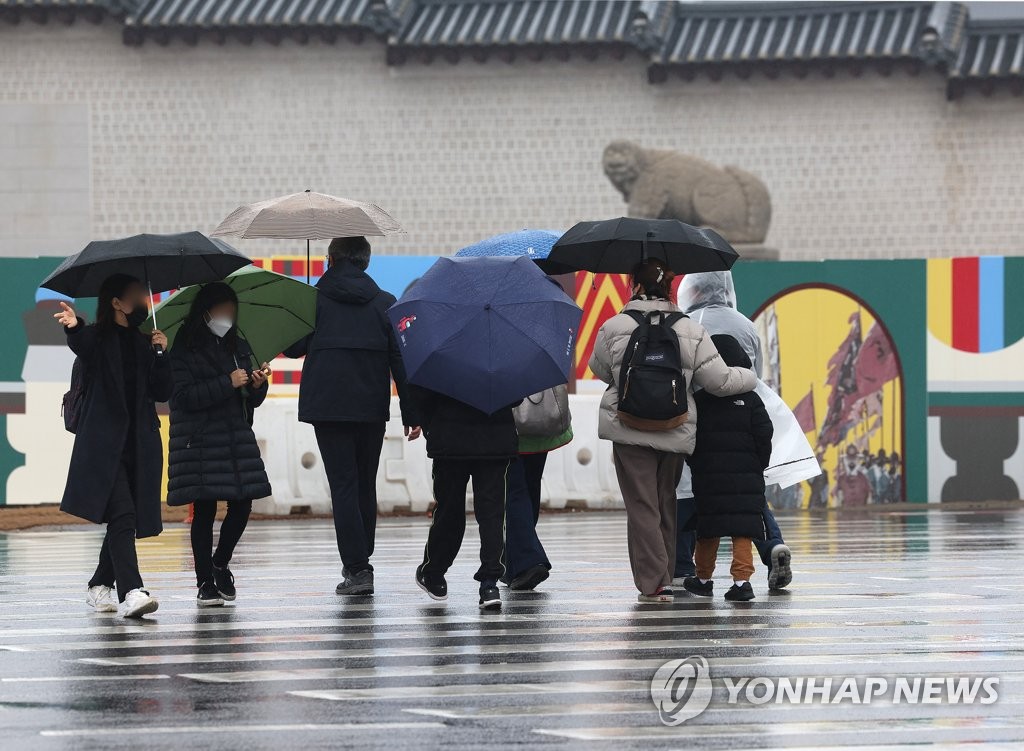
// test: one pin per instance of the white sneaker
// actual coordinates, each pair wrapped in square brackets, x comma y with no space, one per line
[138,602]
[101,599]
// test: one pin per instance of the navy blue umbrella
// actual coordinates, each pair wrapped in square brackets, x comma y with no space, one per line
[486,331]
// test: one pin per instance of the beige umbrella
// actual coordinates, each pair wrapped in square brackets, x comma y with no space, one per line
[307,216]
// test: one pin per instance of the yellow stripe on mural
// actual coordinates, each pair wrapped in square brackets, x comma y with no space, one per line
[940,299]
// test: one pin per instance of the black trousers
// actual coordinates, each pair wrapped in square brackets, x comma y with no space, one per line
[231,529]
[351,454]
[523,549]
[451,478]
[119,563]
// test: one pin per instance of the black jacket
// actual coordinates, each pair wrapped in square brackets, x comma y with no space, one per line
[352,355]
[213,452]
[455,430]
[734,446]
[103,429]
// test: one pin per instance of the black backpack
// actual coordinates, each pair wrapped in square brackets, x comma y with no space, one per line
[71,405]
[652,387]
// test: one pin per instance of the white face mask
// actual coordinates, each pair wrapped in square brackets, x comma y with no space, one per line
[219,327]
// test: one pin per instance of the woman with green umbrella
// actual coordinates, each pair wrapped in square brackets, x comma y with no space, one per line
[213,454]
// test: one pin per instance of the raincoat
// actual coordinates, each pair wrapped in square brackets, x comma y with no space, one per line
[709,298]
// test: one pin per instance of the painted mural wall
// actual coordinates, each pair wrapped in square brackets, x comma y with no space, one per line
[908,376]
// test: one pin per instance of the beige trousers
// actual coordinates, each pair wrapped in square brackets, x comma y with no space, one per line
[647,479]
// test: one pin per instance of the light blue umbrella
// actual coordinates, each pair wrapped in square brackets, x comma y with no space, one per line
[535,243]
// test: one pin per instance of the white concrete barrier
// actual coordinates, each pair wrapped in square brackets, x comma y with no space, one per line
[580,474]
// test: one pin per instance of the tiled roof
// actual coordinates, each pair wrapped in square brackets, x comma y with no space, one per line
[518,23]
[687,36]
[799,32]
[210,14]
[991,52]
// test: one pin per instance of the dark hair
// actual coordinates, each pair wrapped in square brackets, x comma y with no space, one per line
[647,273]
[194,329]
[113,286]
[355,250]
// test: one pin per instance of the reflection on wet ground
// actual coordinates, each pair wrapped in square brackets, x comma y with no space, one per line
[900,595]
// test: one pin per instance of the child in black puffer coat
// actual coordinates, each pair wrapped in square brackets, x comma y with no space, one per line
[734,446]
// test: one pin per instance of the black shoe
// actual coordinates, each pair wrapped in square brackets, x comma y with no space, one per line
[208,596]
[490,597]
[780,574]
[224,581]
[359,583]
[432,584]
[530,578]
[692,585]
[740,592]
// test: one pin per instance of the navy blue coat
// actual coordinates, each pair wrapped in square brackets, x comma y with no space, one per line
[352,354]
[103,429]
[455,430]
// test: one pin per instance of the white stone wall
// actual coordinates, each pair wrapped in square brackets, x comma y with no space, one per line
[178,136]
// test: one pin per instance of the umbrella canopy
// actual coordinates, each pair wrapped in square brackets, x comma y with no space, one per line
[274,311]
[162,262]
[615,246]
[534,243]
[486,331]
[307,216]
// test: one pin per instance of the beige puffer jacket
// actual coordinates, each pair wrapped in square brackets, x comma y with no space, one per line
[702,366]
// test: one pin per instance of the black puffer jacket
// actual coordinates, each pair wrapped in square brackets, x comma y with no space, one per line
[352,355]
[213,451]
[455,430]
[734,445]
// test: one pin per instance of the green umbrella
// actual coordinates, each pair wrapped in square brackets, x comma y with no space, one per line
[274,311]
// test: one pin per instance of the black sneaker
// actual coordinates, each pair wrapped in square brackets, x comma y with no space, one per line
[224,581]
[780,573]
[490,597]
[432,584]
[359,583]
[740,592]
[530,578]
[208,596]
[693,585]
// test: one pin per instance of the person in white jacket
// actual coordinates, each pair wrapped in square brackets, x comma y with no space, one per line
[710,299]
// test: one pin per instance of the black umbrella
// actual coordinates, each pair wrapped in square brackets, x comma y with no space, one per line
[615,246]
[162,262]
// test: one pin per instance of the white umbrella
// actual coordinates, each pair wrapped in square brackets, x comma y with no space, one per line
[308,216]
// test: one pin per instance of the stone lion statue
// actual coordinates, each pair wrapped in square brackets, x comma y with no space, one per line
[668,185]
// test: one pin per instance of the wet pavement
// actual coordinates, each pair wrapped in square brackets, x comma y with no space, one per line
[914,596]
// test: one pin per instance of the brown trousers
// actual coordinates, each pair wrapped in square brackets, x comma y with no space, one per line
[706,552]
[647,479]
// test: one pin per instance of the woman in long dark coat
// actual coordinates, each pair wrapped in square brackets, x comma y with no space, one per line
[213,451]
[117,460]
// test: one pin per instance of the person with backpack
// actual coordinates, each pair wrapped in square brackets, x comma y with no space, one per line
[213,454]
[117,460]
[544,424]
[651,356]
[466,445]
[734,447]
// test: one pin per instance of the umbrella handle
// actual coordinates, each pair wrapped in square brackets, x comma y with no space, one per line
[157,349]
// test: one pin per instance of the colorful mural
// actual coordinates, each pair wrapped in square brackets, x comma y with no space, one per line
[834,364]
[908,369]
